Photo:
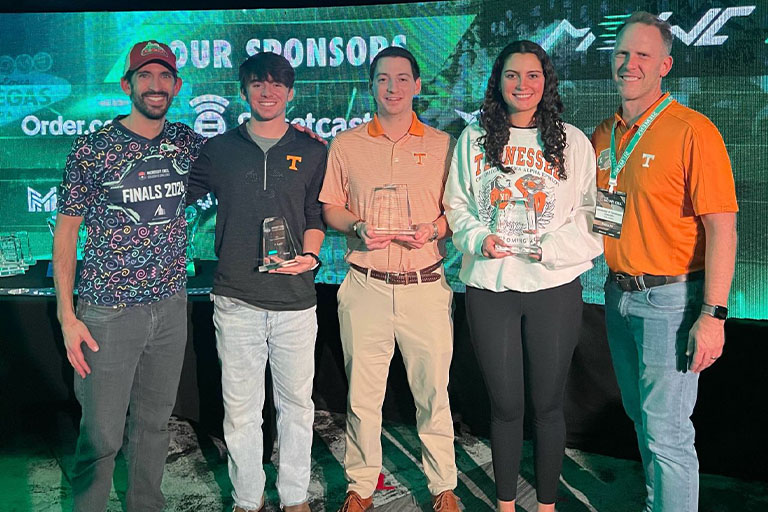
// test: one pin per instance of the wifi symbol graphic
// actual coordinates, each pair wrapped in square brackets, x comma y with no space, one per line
[209,108]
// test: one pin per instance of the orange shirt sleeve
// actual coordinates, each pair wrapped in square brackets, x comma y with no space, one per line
[336,184]
[709,173]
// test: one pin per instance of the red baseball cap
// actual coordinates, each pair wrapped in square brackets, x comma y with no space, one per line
[150,51]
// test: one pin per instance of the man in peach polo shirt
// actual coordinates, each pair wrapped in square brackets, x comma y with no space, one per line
[671,257]
[395,290]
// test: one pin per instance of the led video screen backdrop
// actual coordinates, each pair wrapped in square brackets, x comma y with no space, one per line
[59,77]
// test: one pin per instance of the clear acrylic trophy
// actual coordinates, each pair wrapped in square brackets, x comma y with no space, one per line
[278,249]
[391,211]
[517,225]
[192,216]
[15,253]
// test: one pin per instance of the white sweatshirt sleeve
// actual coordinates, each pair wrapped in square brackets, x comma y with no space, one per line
[574,242]
[459,200]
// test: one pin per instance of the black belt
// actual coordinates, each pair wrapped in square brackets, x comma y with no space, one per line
[428,274]
[642,282]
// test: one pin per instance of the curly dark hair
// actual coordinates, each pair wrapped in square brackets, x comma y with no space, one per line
[494,117]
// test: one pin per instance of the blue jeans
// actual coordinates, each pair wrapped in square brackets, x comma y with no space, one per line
[648,336]
[136,370]
[246,336]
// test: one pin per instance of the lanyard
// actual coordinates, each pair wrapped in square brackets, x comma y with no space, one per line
[617,167]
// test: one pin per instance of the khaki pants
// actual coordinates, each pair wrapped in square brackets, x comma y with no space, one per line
[372,316]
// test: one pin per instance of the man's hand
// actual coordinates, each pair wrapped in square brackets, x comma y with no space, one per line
[302,128]
[75,334]
[301,265]
[489,247]
[705,342]
[371,239]
[417,240]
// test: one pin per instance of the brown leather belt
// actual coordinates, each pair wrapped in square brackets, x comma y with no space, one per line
[428,274]
[630,283]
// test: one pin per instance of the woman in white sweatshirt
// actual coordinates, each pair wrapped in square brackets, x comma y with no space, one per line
[520,199]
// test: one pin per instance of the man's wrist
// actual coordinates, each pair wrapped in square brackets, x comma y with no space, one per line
[318,261]
[435,232]
[355,228]
[715,311]
[67,318]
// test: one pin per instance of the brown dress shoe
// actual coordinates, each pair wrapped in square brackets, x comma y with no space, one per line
[241,509]
[301,507]
[355,503]
[446,501]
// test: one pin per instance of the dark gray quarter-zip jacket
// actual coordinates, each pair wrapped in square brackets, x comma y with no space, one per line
[251,186]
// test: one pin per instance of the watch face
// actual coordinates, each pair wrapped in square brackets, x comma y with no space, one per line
[720,312]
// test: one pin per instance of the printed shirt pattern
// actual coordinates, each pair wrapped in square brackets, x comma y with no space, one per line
[532,181]
[130,192]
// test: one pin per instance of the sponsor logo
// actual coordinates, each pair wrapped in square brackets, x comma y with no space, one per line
[37,202]
[703,32]
[25,63]
[209,108]
[32,125]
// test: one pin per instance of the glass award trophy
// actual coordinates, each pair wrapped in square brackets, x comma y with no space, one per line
[391,211]
[278,249]
[517,225]
[192,216]
[15,253]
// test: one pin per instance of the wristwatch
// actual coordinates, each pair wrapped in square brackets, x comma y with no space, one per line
[719,312]
[318,261]
[356,227]
[435,232]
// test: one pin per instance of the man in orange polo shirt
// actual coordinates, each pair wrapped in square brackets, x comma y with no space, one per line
[395,290]
[671,256]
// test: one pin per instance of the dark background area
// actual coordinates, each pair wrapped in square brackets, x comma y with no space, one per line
[730,417]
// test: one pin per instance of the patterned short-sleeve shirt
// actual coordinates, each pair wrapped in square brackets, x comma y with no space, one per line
[130,192]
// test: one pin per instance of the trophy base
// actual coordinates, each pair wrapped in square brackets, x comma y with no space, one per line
[518,249]
[273,266]
[387,231]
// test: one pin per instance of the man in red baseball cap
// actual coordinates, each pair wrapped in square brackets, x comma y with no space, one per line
[126,340]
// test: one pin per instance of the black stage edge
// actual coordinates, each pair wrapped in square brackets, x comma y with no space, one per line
[730,416]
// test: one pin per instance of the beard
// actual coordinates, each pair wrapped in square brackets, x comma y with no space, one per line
[151,112]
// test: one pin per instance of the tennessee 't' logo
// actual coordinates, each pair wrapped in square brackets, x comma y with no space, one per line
[294,160]
[420,158]
[647,159]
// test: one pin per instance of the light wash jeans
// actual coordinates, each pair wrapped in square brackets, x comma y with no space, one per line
[246,336]
[136,370]
[648,335]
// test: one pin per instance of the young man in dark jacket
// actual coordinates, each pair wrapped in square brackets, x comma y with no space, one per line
[261,169]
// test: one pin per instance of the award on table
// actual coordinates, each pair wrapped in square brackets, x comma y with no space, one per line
[517,225]
[15,253]
[278,249]
[391,211]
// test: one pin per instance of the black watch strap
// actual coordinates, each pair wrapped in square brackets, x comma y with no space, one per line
[314,257]
[719,312]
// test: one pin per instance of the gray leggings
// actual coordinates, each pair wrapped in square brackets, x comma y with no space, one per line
[524,343]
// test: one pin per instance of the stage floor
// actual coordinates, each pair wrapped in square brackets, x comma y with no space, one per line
[37,450]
